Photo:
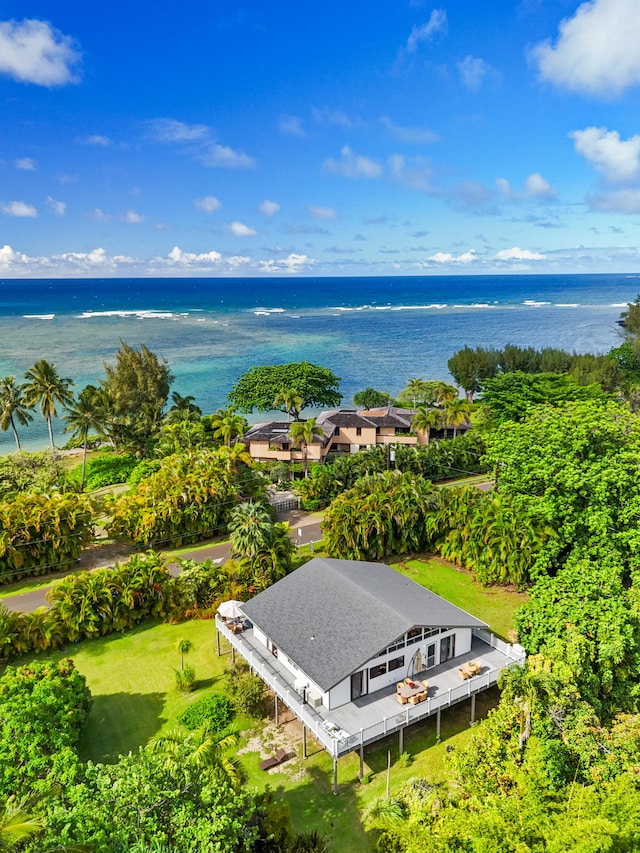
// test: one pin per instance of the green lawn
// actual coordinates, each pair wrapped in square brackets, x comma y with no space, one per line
[494,605]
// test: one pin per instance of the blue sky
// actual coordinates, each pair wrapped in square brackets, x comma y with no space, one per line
[387,137]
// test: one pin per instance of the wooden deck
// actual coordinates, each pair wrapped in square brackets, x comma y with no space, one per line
[378,714]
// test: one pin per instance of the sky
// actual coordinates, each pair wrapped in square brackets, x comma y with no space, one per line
[371,137]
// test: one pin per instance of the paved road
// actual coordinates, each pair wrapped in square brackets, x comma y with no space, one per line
[305,528]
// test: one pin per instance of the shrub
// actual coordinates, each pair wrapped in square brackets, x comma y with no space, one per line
[185,679]
[216,711]
[248,692]
[109,469]
[142,470]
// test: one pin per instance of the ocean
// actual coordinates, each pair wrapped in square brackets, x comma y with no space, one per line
[369,331]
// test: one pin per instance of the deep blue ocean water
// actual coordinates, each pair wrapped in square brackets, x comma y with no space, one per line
[369,331]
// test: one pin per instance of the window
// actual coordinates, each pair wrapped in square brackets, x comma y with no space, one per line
[337,431]
[378,670]
[396,663]
[358,430]
[414,636]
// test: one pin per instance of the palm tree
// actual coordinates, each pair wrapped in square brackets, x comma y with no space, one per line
[13,406]
[203,749]
[415,390]
[184,647]
[46,387]
[82,416]
[250,527]
[425,420]
[227,424]
[16,824]
[302,434]
[290,401]
[456,413]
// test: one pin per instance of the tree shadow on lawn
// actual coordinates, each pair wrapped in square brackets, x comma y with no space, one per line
[119,723]
[314,806]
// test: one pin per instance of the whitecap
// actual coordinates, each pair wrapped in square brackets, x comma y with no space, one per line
[143,314]
[38,316]
[567,304]
[533,304]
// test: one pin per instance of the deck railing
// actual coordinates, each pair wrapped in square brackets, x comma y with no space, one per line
[339,743]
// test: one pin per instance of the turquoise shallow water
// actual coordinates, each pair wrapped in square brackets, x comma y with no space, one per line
[369,331]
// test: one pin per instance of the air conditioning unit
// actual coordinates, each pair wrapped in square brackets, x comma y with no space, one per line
[314,700]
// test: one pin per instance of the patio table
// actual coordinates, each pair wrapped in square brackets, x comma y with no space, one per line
[407,692]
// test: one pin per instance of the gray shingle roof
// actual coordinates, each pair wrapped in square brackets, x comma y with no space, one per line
[331,616]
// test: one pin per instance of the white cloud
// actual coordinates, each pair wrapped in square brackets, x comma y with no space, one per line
[294,263]
[239,229]
[171,130]
[25,164]
[100,215]
[474,71]
[269,208]
[58,207]
[447,258]
[505,189]
[596,52]
[437,23]
[619,201]
[321,212]
[414,173]
[177,256]
[336,118]
[209,204]
[353,165]
[10,259]
[537,187]
[20,209]
[410,135]
[132,217]
[223,157]
[291,125]
[618,160]
[97,139]
[518,254]
[34,52]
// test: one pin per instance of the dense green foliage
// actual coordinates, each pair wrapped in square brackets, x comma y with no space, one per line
[216,711]
[190,497]
[259,387]
[369,398]
[382,514]
[440,460]
[511,396]
[107,470]
[136,389]
[42,708]
[472,367]
[28,472]
[42,532]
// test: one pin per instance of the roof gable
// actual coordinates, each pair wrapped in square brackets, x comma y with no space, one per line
[332,616]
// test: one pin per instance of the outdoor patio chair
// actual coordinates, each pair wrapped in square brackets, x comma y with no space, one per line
[425,684]
[399,685]
[401,699]
[280,756]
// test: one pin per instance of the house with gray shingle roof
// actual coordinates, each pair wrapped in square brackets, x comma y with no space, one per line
[348,628]
[335,641]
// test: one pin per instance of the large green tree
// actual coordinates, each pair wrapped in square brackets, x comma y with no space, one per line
[472,367]
[302,435]
[83,415]
[137,388]
[258,388]
[369,398]
[44,386]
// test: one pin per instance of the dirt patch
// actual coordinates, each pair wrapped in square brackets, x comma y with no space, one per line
[269,738]
[104,554]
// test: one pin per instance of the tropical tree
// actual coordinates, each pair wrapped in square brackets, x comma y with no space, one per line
[16,823]
[472,367]
[258,387]
[456,412]
[290,401]
[45,387]
[415,391]
[425,420]
[302,434]
[13,406]
[227,424]
[82,416]
[204,750]
[250,527]
[372,399]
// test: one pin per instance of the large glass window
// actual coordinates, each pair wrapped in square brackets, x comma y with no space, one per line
[396,663]
[414,636]
[378,670]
